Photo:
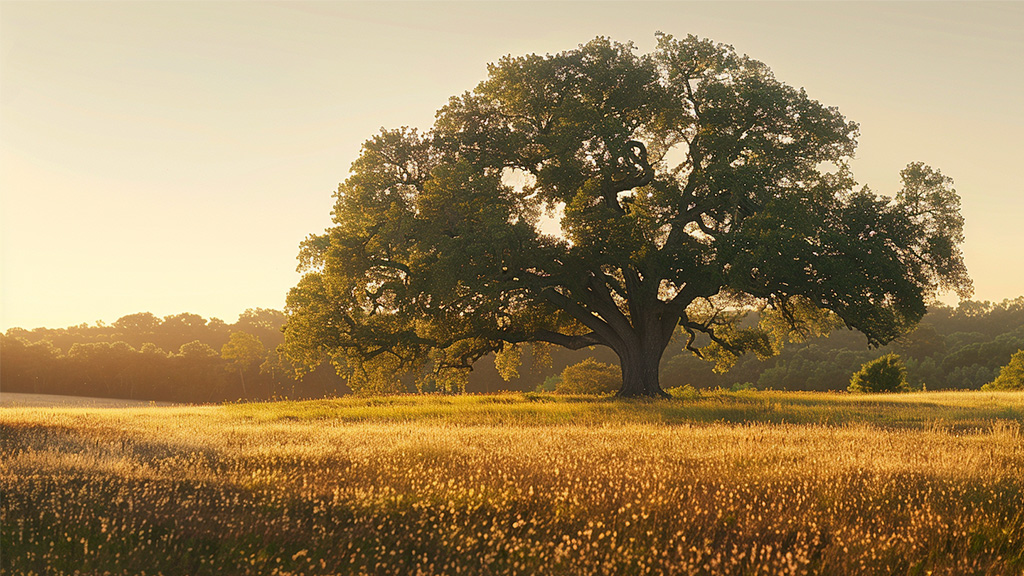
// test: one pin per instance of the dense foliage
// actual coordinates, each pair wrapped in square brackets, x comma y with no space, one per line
[687,184]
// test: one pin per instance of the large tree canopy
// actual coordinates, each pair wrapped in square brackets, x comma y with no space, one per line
[602,197]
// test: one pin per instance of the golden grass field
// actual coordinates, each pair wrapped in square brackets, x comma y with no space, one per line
[725,483]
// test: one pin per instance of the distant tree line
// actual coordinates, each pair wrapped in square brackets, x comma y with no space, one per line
[179,358]
[186,358]
[952,348]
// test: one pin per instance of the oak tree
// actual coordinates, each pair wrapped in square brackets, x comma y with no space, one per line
[602,197]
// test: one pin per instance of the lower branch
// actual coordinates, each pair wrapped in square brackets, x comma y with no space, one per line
[565,341]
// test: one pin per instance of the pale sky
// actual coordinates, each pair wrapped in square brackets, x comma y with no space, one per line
[169,157]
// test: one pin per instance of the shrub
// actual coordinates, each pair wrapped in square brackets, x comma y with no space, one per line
[684,392]
[589,377]
[1011,376]
[885,374]
[550,384]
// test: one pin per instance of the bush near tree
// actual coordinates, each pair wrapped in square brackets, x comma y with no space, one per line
[589,377]
[885,374]
[1011,376]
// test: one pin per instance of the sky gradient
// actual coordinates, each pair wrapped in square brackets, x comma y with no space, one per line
[169,157]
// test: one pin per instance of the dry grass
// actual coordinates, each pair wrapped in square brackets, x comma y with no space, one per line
[809,484]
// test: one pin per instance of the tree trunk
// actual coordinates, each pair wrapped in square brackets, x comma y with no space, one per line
[640,372]
[242,377]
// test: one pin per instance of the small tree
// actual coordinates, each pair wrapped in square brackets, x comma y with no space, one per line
[589,377]
[1011,376]
[245,352]
[885,374]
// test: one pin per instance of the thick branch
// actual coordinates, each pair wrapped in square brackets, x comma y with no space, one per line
[689,342]
[566,341]
[707,329]
[635,153]
[604,304]
[584,316]
[633,289]
[615,285]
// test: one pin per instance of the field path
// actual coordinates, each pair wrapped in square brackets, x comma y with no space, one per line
[17,400]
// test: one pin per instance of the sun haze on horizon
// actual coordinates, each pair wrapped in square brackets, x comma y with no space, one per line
[169,157]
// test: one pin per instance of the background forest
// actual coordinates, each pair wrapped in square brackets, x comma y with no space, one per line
[187,358]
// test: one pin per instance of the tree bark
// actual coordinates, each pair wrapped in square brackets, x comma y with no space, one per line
[640,371]
[638,335]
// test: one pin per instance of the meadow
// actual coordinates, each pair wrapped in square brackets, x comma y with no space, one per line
[715,483]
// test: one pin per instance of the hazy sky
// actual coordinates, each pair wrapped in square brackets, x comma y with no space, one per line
[169,157]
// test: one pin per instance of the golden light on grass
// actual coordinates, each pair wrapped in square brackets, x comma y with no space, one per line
[520,485]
